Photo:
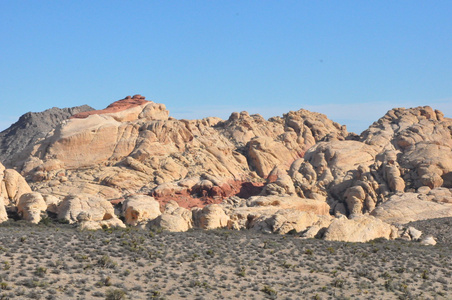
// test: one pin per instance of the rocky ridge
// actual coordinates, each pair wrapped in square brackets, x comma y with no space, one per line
[17,141]
[297,173]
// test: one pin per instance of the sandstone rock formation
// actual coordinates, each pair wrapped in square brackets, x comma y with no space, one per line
[174,218]
[140,208]
[85,207]
[210,217]
[134,147]
[12,185]
[30,206]
[407,207]
[3,213]
[360,228]
[17,141]
[285,174]
[405,150]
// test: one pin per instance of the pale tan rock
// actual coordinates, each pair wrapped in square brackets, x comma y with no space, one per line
[279,183]
[171,207]
[360,228]
[278,214]
[242,217]
[290,202]
[409,126]
[311,232]
[97,225]
[330,168]
[392,175]
[414,233]
[52,203]
[408,207]
[355,198]
[212,216]
[287,220]
[98,208]
[3,214]
[428,241]
[140,208]
[15,185]
[443,195]
[174,218]
[172,223]
[342,155]
[424,190]
[30,206]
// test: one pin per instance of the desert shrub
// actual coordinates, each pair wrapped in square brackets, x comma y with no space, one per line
[269,291]
[115,294]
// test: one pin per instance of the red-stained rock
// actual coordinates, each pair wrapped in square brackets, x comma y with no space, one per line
[188,198]
[117,106]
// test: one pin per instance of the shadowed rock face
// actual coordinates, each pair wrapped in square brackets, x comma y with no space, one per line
[17,141]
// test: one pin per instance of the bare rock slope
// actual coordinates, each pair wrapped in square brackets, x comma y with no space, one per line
[16,141]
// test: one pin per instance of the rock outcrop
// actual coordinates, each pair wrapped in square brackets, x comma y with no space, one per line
[17,142]
[3,213]
[140,209]
[133,146]
[85,207]
[297,173]
[12,185]
[210,217]
[174,218]
[408,207]
[406,150]
[30,206]
[360,228]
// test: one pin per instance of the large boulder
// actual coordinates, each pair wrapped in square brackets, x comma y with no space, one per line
[52,203]
[3,214]
[140,208]
[360,228]
[15,185]
[210,217]
[290,202]
[96,225]
[173,218]
[277,214]
[408,207]
[288,220]
[85,207]
[30,206]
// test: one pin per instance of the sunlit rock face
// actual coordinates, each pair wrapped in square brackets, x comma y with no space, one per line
[133,146]
[297,172]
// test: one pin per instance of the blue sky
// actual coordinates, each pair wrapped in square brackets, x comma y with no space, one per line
[351,60]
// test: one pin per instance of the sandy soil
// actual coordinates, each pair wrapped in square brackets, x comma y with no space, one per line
[56,261]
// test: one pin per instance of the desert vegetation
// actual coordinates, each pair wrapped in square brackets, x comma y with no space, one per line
[58,261]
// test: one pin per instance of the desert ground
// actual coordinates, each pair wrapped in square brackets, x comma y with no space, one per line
[58,261]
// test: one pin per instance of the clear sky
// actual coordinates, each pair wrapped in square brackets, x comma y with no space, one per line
[351,60]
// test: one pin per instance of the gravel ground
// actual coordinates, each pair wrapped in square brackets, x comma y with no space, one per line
[57,261]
